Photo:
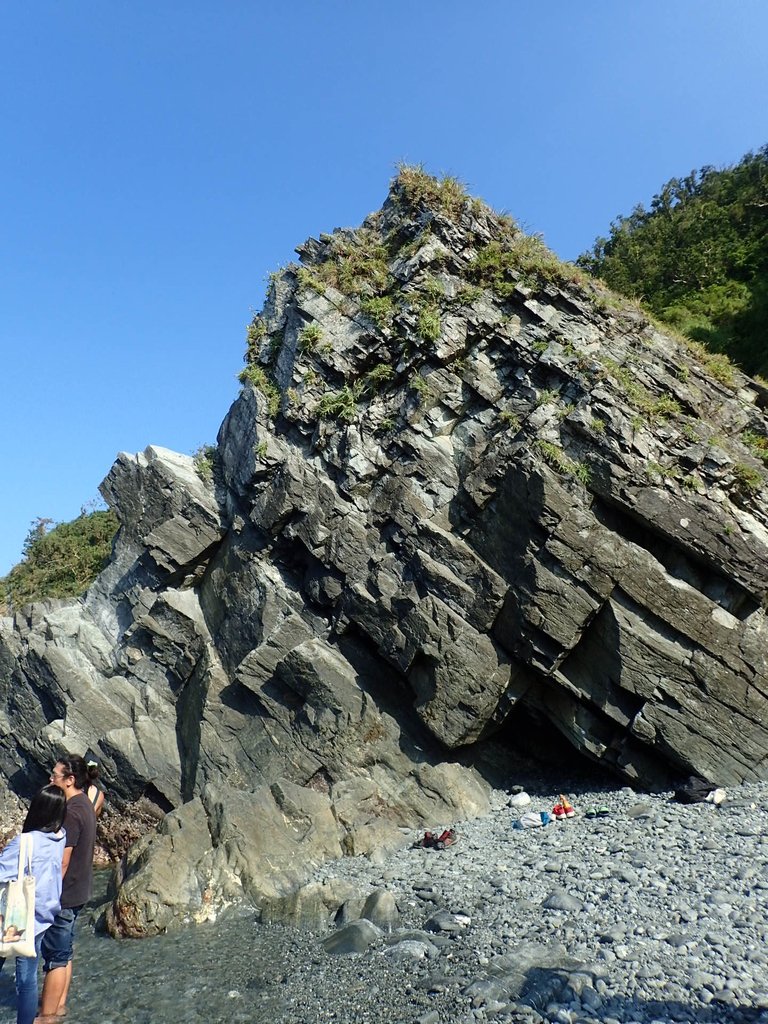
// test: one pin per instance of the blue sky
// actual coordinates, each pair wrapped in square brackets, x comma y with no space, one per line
[160,158]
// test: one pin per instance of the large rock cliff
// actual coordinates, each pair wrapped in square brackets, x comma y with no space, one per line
[462,486]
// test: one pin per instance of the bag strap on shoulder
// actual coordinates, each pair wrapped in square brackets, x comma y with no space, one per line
[26,847]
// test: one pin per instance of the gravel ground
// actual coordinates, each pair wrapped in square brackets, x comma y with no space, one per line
[655,912]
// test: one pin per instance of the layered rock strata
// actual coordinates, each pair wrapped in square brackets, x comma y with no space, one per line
[460,481]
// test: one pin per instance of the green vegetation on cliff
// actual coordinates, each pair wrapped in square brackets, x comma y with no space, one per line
[61,561]
[393,271]
[698,258]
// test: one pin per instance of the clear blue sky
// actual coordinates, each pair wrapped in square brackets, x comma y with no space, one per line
[160,157]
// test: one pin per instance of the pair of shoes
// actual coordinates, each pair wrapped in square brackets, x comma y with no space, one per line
[599,812]
[447,838]
[564,809]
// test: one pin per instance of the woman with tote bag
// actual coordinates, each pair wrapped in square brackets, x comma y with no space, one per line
[37,854]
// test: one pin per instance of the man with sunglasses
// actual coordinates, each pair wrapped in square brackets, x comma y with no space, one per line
[70,774]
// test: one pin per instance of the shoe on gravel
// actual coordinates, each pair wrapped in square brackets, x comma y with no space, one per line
[567,806]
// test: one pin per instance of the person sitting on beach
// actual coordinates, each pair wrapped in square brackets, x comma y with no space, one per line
[44,823]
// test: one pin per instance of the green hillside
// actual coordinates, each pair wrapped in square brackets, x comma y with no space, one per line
[698,258]
[59,562]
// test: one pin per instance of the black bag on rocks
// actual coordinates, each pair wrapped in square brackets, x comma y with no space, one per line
[694,791]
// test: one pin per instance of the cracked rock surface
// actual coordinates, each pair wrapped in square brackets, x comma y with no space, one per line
[461,487]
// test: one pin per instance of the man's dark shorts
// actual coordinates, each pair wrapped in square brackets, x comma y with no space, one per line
[56,950]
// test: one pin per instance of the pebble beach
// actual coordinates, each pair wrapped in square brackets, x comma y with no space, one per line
[653,912]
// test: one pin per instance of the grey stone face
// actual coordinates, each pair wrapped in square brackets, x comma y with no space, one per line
[427,536]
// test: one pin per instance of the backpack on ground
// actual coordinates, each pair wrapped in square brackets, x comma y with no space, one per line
[694,791]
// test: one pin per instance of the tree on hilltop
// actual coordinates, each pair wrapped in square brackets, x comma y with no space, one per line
[698,258]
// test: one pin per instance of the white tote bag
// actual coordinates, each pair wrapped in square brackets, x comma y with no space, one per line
[17,906]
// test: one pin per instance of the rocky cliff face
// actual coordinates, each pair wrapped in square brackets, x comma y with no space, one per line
[461,484]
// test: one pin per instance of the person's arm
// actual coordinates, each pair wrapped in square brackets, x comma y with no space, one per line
[98,807]
[65,859]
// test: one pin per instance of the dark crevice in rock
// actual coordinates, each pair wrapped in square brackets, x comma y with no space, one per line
[156,798]
[697,573]
[530,645]
[38,685]
[190,706]
[594,670]
[237,696]
[27,779]
[509,526]
[421,676]
[390,693]
[191,574]
[281,690]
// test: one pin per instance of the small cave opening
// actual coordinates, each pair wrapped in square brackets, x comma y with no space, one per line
[528,750]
